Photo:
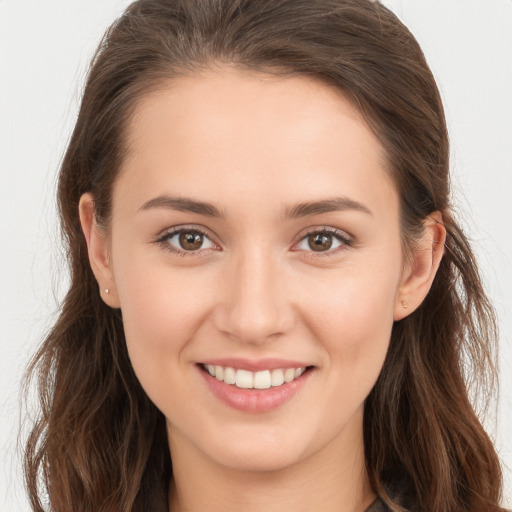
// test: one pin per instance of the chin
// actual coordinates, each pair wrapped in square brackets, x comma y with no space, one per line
[262,448]
[258,459]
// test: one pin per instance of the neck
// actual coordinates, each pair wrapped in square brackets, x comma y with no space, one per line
[332,480]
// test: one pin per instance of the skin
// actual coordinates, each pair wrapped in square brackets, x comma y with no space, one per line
[254,146]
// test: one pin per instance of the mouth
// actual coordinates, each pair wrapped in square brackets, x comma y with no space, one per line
[267,388]
[246,379]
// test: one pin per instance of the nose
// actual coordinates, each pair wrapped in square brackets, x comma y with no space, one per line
[253,305]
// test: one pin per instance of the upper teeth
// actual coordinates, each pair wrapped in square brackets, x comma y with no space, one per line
[254,380]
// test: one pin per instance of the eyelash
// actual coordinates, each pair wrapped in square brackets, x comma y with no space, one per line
[164,240]
[345,241]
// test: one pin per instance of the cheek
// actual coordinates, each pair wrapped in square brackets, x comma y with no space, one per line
[355,303]
[352,316]
[162,311]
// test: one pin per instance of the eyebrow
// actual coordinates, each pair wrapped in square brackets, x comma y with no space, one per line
[325,206]
[184,204]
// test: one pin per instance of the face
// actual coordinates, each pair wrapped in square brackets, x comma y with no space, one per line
[255,234]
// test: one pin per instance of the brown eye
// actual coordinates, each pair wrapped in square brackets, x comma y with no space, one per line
[319,242]
[191,240]
[325,242]
[186,241]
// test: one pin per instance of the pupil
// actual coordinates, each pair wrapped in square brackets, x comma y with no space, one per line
[320,242]
[191,241]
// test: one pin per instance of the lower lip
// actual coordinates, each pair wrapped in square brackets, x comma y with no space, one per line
[255,400]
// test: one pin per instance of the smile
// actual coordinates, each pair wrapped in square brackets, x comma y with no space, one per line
[245,379]
[255,387]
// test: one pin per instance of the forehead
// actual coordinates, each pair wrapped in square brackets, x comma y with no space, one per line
[235,134]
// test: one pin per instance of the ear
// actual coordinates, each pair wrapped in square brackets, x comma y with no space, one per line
[421,268]
[98,251]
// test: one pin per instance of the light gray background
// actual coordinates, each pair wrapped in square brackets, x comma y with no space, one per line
[45,47]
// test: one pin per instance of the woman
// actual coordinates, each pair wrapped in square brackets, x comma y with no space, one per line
[268,286]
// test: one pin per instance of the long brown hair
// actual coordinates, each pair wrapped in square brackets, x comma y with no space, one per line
[99,443]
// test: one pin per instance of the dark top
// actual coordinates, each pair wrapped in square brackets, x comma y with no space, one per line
[377,506]
[399,493]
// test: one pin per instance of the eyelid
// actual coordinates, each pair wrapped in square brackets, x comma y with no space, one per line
[346,240]
[163,237]
[342,236]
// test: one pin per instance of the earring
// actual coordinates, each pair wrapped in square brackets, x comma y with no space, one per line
[106,290]
[405,305]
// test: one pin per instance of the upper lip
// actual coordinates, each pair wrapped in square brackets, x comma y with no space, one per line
[255,365]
